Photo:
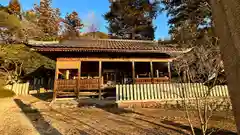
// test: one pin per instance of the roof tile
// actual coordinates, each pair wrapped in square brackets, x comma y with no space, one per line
[108,45]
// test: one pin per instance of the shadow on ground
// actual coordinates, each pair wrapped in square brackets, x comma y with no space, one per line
[42,126]
[114,109]
[213,131]
[70,118]
[47,96]
[170,125]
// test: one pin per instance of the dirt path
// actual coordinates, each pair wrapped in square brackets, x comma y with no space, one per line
[13,121]
[38,117]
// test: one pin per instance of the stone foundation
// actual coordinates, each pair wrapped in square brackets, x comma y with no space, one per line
[218,104]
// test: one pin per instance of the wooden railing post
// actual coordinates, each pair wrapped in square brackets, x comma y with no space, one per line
[151,69]
[169,71]
[133,71]
[55,83]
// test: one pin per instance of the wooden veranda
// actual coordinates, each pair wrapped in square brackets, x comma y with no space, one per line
[90,67]
[77,85]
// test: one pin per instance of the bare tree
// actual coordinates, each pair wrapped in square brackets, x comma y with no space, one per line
[200,65]
[12,70]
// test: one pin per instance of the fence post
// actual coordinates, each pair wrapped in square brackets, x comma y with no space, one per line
[117,92]
[149,91]
[124,92]
[136,92]
[145,91]
[161,89]
[23,89]
[120,92]
[157,87]
[155,92]
[189,91]
[198,91]
[128,92]
[166,90]
[141,91]
[227,91]
[14,89]
[153,96]
[131,91]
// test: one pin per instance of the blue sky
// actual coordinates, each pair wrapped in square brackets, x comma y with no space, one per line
[92,11]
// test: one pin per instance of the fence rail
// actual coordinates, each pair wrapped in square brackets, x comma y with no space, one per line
[19,88]
[167,91]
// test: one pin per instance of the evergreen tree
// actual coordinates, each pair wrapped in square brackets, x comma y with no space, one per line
[132,19]
[191,26]
[72,25]
[187,17]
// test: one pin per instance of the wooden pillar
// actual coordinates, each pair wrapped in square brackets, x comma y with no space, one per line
[133,72]
[79,69]
[157,72]
[55,83]
[67,74]
[151,69]
[100,77]
[169,71]
[79,78]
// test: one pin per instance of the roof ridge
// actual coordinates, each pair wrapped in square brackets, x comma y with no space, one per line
[120,40]
[125,40]
[42,42]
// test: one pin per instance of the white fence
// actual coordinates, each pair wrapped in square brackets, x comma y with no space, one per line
[31,87]
[167,91]
[19,88]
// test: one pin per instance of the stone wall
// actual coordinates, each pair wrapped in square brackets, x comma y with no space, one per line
[217,103]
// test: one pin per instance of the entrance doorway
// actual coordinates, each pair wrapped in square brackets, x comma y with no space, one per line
[117,73]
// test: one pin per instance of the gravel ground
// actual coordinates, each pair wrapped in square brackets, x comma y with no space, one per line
[31,116]
[13,121]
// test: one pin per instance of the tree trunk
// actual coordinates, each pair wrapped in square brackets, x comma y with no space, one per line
[226,15]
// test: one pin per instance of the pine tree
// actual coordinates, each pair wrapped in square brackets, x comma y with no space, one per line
[132,19]
[191,26]
[72,25]
[188,16]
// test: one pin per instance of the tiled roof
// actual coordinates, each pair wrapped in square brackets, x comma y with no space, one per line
[105,45]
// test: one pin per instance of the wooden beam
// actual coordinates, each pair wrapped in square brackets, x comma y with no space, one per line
[100,76]
[133,72]
[68,64]
[117,59]
[151,69]
[169,71]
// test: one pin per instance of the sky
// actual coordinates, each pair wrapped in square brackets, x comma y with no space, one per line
[92,11]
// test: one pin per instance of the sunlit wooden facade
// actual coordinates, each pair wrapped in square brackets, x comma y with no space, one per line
[91,67]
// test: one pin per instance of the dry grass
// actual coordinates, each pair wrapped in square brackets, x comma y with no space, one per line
[6,93]
[3,92]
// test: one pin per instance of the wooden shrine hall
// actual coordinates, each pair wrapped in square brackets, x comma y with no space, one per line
[93,67]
